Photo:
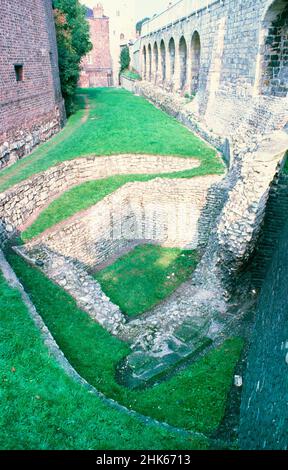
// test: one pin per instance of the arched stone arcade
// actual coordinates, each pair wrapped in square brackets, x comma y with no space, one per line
[172,54]
[155,62]
[163,61]
[192,56]
[144,62]
[149,62]
[195,61]
[183,55]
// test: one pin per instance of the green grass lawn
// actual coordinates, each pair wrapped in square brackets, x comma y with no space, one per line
[144,277]
[42,408]
[193,399]
[118,122]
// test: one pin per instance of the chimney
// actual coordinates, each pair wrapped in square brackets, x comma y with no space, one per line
[98,11]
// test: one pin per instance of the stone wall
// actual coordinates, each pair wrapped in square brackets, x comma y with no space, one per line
[238,226]
[160,211]
[265,394]
[127,83]
[30,95]
[216,51]
[18,204]
[273,225]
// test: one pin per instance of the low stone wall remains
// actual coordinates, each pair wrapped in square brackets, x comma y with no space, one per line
[19,203]
[164,211]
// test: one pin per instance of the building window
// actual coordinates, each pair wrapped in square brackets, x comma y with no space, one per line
[122,36]
[89,59]
[118,13]
[19,72]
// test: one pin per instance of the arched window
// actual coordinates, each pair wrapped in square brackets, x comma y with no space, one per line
[163,60]
[149,62]
[122,36]
[172,57]
[144,63]
[274,63]
[195,61]
[183,62]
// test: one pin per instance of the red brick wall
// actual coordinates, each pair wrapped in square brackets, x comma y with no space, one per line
[27,36]
[97,66]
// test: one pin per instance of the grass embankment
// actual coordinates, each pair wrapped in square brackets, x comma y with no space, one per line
[131,74]
[144,277]
[194,398]
[42,408]
[118,123]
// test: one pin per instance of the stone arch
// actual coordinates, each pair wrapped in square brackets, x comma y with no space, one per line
[195,61]
[273,60]
[144,56]
[149,62]
[183,62]
[172,50]
[155,59]
[163,60]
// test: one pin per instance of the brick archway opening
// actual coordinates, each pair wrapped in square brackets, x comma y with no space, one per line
[183,62]
[274,70]
[195,61]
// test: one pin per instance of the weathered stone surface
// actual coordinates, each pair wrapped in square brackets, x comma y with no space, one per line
[76,281]
[221,54]
[164,211]
[42,188]
[265,392]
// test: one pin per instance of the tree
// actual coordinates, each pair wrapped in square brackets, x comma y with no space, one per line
[73,39]
[124,58]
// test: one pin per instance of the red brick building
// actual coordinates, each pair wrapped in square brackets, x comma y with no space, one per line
[97,65]
[31,105]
